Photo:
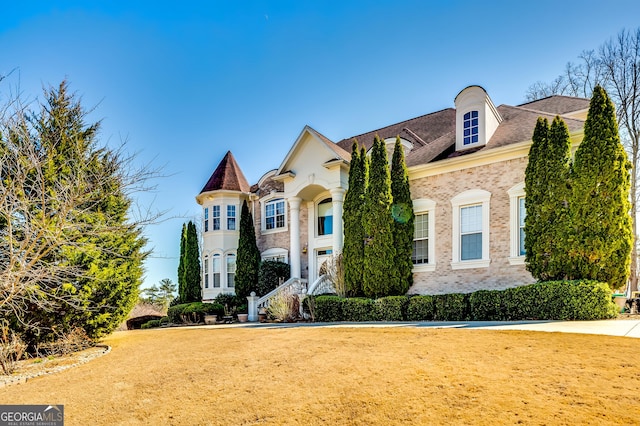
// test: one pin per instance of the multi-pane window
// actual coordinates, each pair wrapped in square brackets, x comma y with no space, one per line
[215,263]
[325,217]
[470,127]
[216,218]
[522,213]
[420,253]
[231,218]
[206,272]
[231,270]
[471,232]
[206,219]
[274,214]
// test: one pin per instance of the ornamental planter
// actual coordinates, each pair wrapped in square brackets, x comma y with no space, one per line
[210,319]
[243,317]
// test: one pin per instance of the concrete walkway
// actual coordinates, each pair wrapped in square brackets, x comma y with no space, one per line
[623,328]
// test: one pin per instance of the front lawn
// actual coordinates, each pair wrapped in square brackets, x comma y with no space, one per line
[331,376]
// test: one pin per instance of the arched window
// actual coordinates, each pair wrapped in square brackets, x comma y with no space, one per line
[215,263]
[206,272]
[325,217]
[231,270]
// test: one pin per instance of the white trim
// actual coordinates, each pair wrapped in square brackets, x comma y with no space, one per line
[465,199]
[274,196]
[275,252]
[422,206]
[515,193]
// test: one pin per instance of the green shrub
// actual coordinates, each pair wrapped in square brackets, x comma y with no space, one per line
[270,274]
[175,313]
[486,305]
[551,300]
[392,308]
[151,324]
[450,307]
[328,308]
[226,299]
[420,308]
[193,312]
[213,309]
[358,309]
[164,320]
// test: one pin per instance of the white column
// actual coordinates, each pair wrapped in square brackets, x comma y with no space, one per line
[294,235]
[252,305]
[337,199]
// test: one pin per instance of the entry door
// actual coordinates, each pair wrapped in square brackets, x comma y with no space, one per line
[322,256]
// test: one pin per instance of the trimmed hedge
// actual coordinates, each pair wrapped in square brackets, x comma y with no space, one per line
[193,312]
[329,308]
[359,309]
[392,308]
[420,308]
[552,300]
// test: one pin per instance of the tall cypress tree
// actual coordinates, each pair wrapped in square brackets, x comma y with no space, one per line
[193,270]
[380,276]
[546,202]
[353,251]
[248,260]
[534,184]
[181,265]
[403,216]
[600,237]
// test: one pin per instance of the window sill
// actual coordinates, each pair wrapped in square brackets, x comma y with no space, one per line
[516,260]
[425,267]
[470,264]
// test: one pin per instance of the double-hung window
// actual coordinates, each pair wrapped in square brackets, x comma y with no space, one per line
[215,263]
[206,272]
[420,253]
[423,255]
[471,232]
[206,219]
[216,218]
[274,214]
[470,244]
[517,216]
[231,218]
[522,213]
[231,270]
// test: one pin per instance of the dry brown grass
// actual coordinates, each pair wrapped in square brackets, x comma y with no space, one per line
[336,376]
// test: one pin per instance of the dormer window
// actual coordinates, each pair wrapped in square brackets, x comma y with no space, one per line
[470,128]
[477,118]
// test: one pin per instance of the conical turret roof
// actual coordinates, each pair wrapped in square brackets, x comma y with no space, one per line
[227,176]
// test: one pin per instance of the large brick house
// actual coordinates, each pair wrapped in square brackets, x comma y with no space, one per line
[466,169]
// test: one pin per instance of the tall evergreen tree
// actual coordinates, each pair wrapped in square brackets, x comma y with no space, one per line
[76,198]
[248,260]
[192,271]
[546,202]
[353,251]
[403,216]
[534,184]
[181,264]
[601,235]
[380,277]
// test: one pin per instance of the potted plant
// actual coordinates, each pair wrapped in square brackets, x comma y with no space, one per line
[211,311]
[242,313]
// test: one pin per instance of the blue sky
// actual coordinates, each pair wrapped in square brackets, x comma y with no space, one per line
[184,82]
